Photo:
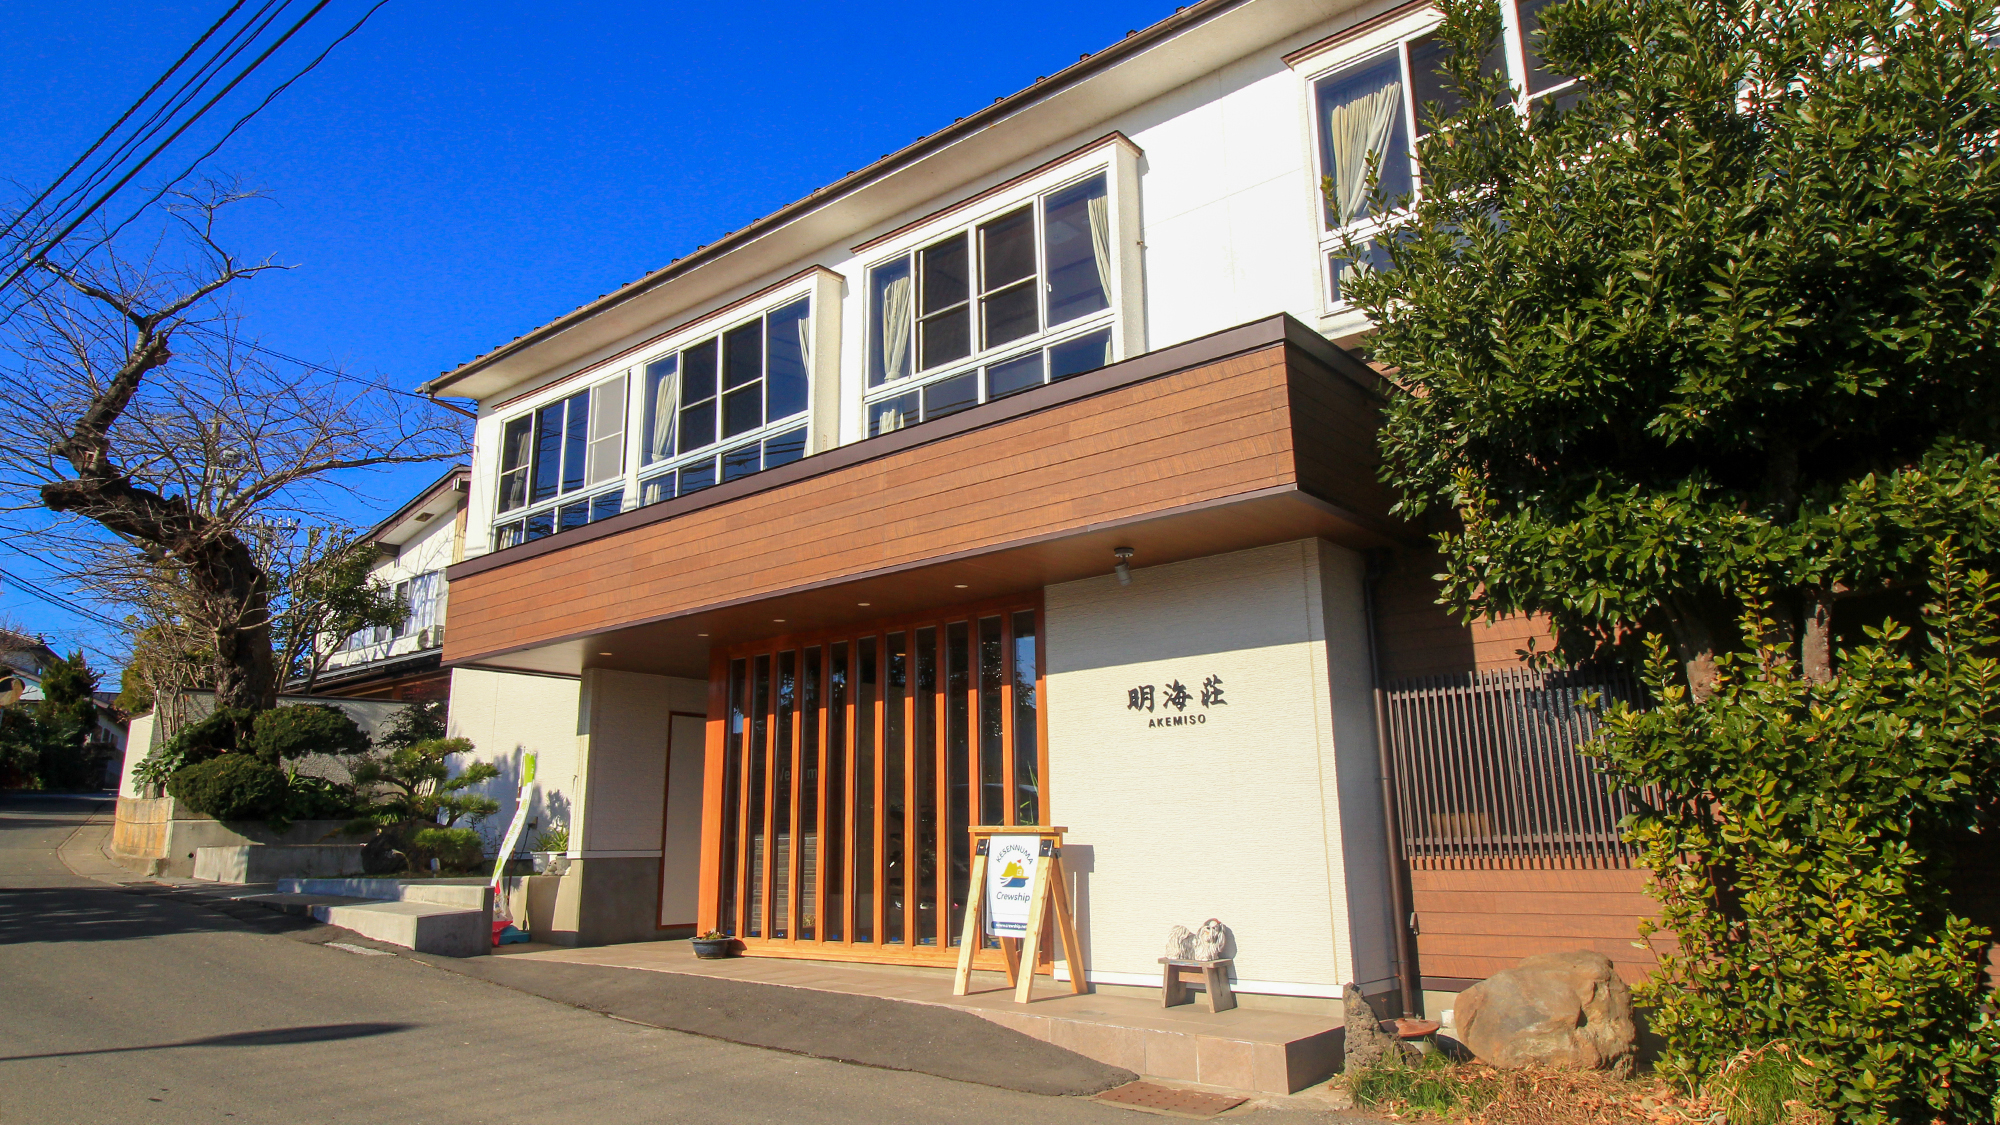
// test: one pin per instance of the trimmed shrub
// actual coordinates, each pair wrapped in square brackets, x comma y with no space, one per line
[220,732]
[231,787]
[458,848]
[300,731]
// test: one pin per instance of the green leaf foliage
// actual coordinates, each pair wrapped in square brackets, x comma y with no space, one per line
[415,787]
[52,743]
[458,849]
[1715,328]
[221,731]
[1797,833]
[231,787]
[303,730]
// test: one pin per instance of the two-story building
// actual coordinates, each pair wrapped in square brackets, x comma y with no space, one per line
[414,547]
[1020,477]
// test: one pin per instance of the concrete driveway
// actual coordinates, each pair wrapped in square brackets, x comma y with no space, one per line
[129,1008]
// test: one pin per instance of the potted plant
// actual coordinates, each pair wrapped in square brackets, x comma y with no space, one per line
[713,945]
[550,850]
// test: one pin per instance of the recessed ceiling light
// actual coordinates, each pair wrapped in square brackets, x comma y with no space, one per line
[777,621]
[701,634]
[863,603]
[960,586]
[604,654]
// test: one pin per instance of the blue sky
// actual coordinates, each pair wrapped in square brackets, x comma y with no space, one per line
[460,173]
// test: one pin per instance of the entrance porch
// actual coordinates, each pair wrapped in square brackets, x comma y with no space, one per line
[1273,1052]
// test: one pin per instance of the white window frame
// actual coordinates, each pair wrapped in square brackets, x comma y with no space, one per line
[1114,160]
[823,307]
[590,493]
[1339,317]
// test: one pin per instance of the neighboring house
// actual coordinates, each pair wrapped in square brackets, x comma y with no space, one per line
[1023,477]
[415,544]
[25,659]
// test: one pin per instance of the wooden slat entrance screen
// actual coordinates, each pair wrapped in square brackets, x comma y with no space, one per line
[852,765]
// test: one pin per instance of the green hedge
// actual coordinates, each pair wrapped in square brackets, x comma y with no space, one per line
[230,787]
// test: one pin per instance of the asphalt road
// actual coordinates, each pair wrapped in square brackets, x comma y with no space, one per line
[133,1009]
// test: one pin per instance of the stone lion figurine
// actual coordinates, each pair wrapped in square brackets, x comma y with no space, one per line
[1179,941]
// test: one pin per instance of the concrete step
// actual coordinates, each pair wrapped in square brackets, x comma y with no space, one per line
[448,931]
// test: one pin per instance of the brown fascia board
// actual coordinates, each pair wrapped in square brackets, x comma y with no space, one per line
[1134,44]
[419,500]
[1270,331]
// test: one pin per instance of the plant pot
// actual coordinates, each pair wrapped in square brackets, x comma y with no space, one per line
[713,949]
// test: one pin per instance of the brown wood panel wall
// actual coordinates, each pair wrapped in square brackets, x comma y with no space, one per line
[1202,434]
[1472,924]
[1418,637]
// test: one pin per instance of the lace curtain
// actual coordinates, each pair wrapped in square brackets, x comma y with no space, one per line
[895,312]
[1357,129]
[1100,240]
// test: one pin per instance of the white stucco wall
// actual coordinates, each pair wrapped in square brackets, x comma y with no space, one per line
[507,715]
[622,760]
[1262,810]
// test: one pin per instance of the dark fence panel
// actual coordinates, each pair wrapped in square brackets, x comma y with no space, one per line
[1490,774]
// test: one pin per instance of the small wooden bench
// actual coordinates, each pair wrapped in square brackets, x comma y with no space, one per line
[1176,974]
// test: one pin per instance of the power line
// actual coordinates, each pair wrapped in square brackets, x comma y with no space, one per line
[330,372]
[63,603]
[41,252]
[193,85]
[122,118]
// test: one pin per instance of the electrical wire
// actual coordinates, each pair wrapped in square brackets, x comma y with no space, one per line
[122,118]
[92,616]
[41,252]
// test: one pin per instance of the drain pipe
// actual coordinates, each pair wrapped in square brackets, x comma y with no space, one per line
[1392,827]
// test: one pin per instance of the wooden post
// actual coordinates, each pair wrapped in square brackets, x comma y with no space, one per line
[970,937]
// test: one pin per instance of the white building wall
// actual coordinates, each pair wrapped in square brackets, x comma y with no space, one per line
[508,715]
[622,760]
[1254,810]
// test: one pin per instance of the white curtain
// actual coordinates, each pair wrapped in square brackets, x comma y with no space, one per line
[895,313]
[1356,130]
[1100,240]
[663,399]
[806,343]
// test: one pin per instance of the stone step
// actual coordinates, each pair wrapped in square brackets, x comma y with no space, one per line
[448,931]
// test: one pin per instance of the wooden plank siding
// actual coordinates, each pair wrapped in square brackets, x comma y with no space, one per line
[1418,637]
[1201,435]
[1472,924]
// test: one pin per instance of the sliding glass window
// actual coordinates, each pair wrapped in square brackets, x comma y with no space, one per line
[1003,304]
[1370,112]
[562,465]
[727,405]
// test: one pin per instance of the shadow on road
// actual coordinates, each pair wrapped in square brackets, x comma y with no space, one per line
[50,914]
[273,1037]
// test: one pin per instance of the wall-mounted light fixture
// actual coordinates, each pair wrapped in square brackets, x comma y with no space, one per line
[1123,571]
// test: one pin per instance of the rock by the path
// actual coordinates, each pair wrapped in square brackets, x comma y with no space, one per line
[1367,1044]
[1554,1009]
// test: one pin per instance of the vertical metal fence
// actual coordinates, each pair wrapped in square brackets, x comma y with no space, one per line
[1490,771]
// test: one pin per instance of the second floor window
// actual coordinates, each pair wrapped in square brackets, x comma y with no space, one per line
[985,297]
[728,405]
[1370,112]
[556,460]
